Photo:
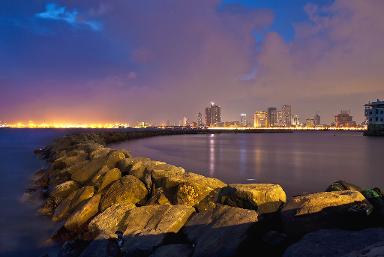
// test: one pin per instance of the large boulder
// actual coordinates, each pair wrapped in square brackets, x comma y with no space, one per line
[70,159]
[342,185]
[109,177]
[83,214]
[265,198]
[173,250]
[219,231]
[102,247]
[107,222]
[70,203]
[62,190]
[374,250]
[303,214]
[147,226]
[127,189]
[334,242]
[86,172]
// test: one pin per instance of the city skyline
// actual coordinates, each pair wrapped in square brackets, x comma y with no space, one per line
[99,62]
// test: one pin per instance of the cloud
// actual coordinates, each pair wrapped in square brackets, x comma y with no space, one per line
[61,13]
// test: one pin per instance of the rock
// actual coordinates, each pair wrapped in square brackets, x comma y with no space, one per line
[82,214]
[219,231]
[98,178]
[109,177]
[375,250]
[48,208]
[62,190]
[107,222]
[72,248]
[158,197]
[69,159]
[376,198]
[173,250]
[66,207]
[210,201]
[341,185]
[99,153]
[102,247]
[303,214]
[127,189]
[40,179]
[195,188]
[147,226]
[167,176]
[86,172]
[125,165]
[265,198]
[334,242]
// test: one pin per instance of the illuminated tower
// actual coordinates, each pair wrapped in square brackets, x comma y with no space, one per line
[212,114]
[200,120]
[260,120]
[243,119]
[272,117]
[287,115]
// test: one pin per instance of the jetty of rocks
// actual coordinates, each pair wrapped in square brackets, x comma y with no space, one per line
[110,203]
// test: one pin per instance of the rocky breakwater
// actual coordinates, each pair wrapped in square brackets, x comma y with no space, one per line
[110,203]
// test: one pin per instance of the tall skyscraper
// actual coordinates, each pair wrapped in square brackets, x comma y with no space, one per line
[243,120]
[272,116]
[296,120]
[316,119]
[260,120]
[212,114]
[344,119]
[200,120]
[279,121]
[287,115]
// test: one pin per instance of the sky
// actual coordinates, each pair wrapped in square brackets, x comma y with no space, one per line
[147,60]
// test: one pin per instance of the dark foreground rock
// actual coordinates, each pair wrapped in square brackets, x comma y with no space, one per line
[219,231]
[335,243]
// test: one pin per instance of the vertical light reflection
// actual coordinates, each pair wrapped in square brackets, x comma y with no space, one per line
[212,155]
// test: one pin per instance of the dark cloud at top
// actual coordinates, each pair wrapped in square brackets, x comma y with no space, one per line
[158,60]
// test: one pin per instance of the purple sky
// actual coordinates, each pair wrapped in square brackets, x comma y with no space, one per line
[125,60]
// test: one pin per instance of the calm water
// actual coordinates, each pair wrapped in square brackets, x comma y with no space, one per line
[300,162]
[22,231]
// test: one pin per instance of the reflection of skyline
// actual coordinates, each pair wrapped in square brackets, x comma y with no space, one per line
[211,155]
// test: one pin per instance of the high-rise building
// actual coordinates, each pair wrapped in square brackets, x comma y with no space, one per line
[200,123]
[185,121]
[287,115]
[260,120]
[243,120]
[279,121]
[316,119]
[310,123]
[272,117]
[212,114]
[296,121]
[344,119]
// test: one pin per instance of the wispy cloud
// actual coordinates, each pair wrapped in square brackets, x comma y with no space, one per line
[61,13]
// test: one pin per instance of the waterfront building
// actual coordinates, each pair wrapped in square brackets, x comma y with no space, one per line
[286,115]
[374,112]
[260,120]
[279,120]
[212,114]
[296,121]
[344,119]
[310,123]
[272,117]
[316,119]
[243,119]
[184,121]
[200,123]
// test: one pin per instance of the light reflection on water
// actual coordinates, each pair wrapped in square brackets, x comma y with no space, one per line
[300,162]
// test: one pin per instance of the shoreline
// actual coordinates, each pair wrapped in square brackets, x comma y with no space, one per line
[97,191]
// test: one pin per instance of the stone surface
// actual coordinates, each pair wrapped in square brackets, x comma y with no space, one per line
[82,214]
[219,231]
[310,212]
[342,185]
[86,172]
[158,197]
[334,242]
[62,190]
[173,250]
[109,177]
[66,207]
[374,250]
[102,247]
[98,177]
[265,198]
[107,222]
[147,226]
[127,189]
